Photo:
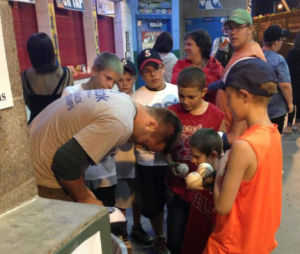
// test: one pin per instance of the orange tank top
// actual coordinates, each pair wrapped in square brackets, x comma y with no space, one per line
[251,225]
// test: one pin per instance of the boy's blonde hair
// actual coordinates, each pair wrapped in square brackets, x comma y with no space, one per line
[191,77]
[271,88]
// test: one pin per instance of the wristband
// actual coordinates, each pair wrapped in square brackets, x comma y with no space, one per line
[172,163]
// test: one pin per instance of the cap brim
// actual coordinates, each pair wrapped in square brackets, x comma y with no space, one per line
[285,33]
[236,20]
[216,85]
[154,60]
[129,69]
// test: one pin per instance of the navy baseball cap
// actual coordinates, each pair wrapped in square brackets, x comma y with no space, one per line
[146,56]
[247,73]
[129,66]
[274,33]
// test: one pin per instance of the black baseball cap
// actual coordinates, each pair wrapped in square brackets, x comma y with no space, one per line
[146,56]
[274,33]
[129,66]
[247,73]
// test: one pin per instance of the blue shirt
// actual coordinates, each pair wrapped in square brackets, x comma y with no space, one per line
[277,106]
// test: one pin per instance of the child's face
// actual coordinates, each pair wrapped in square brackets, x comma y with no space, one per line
[105,79]
[153,75]
[197,156]
[236,103]
[126,83]
[190,98]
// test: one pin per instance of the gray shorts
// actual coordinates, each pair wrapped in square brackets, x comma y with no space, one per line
[125,190]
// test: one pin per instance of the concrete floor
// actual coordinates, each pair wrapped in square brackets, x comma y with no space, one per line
[288,235]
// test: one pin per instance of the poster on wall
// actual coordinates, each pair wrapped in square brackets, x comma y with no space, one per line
[155,6]
[105,7]
[24,1]
[209,4]
[75,5]
[95,25]
[6,100]
[149,38]
[54,31]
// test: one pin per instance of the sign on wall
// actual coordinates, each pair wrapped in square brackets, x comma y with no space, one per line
[209,4]
[75,5]
[95,25]
[105,7]
[54,32]
[149,38]
[155,6]
[6,100]
[25,1]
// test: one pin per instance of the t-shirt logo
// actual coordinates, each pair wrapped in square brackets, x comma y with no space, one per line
[124,61]
[147,53]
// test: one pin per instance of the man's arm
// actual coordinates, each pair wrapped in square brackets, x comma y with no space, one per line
[69,163]
[286,89]
[242,165]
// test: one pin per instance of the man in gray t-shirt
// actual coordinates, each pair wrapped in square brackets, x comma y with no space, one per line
[82,128]
[282,102]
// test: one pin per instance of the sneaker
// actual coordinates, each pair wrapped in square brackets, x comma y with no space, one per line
[160,245]
[287,130]
[126,243]
[141,235]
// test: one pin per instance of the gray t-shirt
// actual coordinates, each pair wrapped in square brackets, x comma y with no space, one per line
[278,106]
[100,120]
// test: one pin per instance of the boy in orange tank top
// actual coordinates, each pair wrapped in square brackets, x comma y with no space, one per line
[247,191]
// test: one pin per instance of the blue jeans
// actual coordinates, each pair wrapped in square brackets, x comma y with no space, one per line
[177,218]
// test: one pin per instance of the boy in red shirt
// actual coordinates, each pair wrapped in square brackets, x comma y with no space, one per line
[194,113]
[205,146]
[248,185]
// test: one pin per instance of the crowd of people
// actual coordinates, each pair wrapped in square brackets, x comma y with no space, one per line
[95,145]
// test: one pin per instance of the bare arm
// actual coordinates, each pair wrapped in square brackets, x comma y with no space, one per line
[286,89]
[242,165]
[222,127]
[80,192]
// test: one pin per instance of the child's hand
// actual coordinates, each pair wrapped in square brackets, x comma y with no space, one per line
[175,172]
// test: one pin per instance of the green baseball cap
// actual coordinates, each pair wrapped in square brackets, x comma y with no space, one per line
[240,16]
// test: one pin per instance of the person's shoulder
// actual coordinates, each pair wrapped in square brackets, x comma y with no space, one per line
[171,87]
[137,93]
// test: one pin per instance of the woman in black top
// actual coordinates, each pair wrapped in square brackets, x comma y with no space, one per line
[45,81]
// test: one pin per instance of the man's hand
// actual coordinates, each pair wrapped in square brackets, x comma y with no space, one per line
[290,107]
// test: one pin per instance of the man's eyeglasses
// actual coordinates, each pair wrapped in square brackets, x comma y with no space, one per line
[149,72]
[229,29]
[282,39]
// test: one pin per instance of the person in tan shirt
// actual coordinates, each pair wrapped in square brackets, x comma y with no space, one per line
[239,27]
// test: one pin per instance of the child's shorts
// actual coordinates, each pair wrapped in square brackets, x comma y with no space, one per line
[125,192]
[150,189]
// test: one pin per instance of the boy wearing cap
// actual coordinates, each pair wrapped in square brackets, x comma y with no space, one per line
[126,83]
[248,184]
[239,28]
[101,178]
[151,167]
[282,102]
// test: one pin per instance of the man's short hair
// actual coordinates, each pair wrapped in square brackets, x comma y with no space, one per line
[107,60]
[203,41]
[169,127]
[191,77]
[206,141]
[164,43]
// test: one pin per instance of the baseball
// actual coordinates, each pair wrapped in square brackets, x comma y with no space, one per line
[194,180]
[182,169]
[205,169]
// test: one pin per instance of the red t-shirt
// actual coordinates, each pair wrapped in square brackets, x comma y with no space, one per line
[212,70]
[200,222]
[212,118]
